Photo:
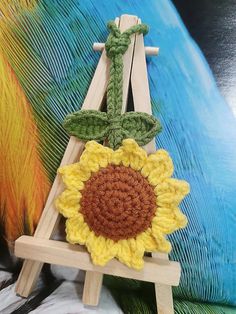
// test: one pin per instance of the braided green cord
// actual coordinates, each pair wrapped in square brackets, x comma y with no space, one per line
[113,125]
[116,45]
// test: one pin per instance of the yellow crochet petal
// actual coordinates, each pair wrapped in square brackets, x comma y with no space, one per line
[162,243]
[180,218]
[74,175]
[95,156]
[102,250]
[77,230]
[158,167]
[168,220]
[164,211]
[130,154]
[149,241]
[68,203]
[170,192]
[165,225]
[130,252]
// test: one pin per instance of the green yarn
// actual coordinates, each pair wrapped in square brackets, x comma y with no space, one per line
[95,125]
[113,125]
[116,45]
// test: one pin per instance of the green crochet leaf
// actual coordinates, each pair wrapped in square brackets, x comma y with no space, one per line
[94,125]
[140,126]
[87,125]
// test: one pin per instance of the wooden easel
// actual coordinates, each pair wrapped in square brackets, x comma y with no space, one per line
[40,249]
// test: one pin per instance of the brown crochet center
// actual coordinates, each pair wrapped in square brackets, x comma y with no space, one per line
[118,203]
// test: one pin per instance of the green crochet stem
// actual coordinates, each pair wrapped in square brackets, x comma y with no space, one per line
[113,125]
[116,46]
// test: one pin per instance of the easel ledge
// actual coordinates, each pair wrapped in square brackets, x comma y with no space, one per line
[65,254]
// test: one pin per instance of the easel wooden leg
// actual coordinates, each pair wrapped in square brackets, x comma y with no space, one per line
[92,288]
[28,277]
[142,102]
[50,216]
[164,297]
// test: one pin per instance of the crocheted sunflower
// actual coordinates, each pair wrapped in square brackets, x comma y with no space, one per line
[121,203]
[118,201]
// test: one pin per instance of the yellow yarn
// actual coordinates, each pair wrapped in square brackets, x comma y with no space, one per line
[157,168]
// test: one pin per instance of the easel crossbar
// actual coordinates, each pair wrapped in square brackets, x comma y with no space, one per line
[65,254]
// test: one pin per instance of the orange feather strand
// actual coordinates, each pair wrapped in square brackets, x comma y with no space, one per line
[23,182]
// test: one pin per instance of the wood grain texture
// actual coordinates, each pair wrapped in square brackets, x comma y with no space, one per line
[164,296]
[92,288]
[65,254]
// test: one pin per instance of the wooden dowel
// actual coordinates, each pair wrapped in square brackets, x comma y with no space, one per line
[149,51]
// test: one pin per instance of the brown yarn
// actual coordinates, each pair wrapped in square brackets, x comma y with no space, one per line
[118,203]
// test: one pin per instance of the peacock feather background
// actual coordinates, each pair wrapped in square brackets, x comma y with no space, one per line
[46,66]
